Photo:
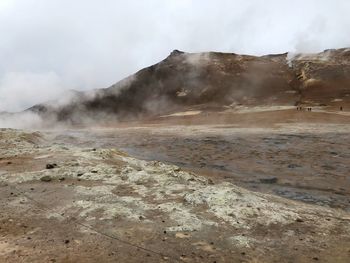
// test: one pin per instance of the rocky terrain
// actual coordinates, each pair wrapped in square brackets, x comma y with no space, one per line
[62,201]
[212,81]
[207,157]
[305,162]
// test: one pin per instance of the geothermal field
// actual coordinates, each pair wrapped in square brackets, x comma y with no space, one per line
[206,157]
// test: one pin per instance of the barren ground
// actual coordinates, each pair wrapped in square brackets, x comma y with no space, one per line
[259,186]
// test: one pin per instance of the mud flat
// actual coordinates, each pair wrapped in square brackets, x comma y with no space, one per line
[64,201]
[285,153]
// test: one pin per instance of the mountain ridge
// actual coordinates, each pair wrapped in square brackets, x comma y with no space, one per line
[217,79]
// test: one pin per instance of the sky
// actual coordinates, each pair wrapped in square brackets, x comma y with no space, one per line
[50,46]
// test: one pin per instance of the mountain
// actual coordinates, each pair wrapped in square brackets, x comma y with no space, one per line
[213,80]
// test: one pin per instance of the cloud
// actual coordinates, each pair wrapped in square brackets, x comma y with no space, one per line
[88,44]
[5,4]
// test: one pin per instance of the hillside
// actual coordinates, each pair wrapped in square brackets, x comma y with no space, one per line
[213,81]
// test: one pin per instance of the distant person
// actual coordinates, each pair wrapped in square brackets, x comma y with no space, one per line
[341,108]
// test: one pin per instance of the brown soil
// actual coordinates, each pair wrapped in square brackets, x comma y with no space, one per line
[307,154]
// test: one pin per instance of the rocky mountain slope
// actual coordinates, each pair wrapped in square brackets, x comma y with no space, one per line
[214,80]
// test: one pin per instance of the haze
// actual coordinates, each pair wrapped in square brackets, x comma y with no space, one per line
[47,47]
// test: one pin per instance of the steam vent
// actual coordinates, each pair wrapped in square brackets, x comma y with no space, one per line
[214,152]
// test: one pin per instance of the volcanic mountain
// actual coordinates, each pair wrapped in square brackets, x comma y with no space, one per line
[214,80]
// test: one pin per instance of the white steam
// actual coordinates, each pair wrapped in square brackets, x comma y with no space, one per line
[19,90]
[23,120]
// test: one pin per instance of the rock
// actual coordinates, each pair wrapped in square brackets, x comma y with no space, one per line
[66,241]
[138,168]
[46,178]
[182,235]
[51,166]
[271,180]
[62,179]
[328,167]
[293,165]
[176,52]
[210,181]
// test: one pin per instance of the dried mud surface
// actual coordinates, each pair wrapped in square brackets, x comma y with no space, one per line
[176,193]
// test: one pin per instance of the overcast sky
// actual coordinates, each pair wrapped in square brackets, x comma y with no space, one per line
[48,46]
